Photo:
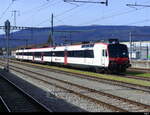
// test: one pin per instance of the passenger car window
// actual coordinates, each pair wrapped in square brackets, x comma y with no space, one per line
[104,53]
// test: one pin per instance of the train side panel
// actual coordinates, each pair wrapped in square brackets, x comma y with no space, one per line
[101,56]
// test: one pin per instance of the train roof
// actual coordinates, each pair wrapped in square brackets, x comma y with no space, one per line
[83,44]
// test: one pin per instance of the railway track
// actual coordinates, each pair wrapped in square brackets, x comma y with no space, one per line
[139,70]
[83,76]
[121,75]
[112,102]
[14,99]
[136,77]
[3,106]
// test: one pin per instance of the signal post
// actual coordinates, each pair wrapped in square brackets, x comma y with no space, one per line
[7,32]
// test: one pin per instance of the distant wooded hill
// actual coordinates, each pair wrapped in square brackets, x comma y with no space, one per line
[79,33]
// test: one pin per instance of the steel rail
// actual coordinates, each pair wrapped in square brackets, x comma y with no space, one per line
[43,107]
[4,105]
[112,107]
[120,83]
[121,75]
[139,70]
[104,80]
[89,89]
[135,77]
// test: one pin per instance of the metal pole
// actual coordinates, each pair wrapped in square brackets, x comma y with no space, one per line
[14,17]
[7,53]
[140,49]
[14,13]
[52,28]
[7,30]
[147,52]
[130,40]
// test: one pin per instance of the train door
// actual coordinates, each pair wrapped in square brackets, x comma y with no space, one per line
[104,57]
[65,57]
[42,54]
[33,57]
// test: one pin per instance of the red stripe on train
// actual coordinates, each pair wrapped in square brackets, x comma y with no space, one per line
[118,60]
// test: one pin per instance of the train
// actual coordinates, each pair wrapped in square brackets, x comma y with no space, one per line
[110,56]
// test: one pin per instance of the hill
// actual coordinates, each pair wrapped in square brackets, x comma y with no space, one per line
[85,33]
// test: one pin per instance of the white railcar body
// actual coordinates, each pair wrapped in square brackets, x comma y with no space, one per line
[95,55]
[96,58]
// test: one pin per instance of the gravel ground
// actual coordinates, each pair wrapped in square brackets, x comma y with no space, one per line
[128,93]
[48,99]
[86,92]
[115,90]
[69,97]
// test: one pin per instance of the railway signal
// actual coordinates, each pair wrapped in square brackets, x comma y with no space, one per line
[7,31]
[7,27]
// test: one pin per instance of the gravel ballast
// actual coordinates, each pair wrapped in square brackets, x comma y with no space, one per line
[132,94]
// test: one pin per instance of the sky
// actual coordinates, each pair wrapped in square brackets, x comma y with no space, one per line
[37,13]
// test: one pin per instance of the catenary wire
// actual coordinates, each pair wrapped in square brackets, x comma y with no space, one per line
[114,15]
[6,9]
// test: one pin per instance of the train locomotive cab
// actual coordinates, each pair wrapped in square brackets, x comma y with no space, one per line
[118,58]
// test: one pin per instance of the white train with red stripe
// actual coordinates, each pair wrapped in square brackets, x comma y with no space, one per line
[99,56]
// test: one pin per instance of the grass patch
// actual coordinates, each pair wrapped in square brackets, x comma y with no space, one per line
[141,74]
[109,77]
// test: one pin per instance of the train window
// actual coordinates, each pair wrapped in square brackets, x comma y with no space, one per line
[20,53]
[78,54]
[53,54]
[75,54]
[29,54]
[25,53]
[70,53]
[37,54]
[104,53]
[59,53]
[88,54]
[118,50]
[81,54]
[47,53]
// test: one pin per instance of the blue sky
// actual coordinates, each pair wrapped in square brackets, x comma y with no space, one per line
[37,13]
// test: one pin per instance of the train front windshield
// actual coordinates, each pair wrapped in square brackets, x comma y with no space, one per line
[117,50]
